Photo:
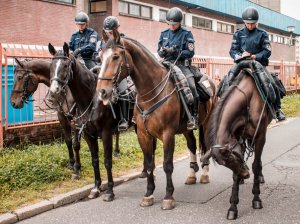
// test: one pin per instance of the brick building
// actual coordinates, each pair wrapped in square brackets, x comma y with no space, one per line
[43,21]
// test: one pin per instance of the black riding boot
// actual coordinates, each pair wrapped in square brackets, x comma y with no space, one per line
[192,123]
[123,124]
[279,114]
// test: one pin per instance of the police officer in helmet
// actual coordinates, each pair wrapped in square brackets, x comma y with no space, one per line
[83,42]
[254,43]
[110,24]
[176,42]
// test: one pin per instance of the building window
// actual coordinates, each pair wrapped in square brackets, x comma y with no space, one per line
[202,23]
[162,15]
[270,37]
[136,10]
[63,1]
[98,6]
[225,28]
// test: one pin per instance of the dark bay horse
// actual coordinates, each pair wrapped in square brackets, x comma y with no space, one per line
[158,112]
[238,125]
[28,74]
[96,120]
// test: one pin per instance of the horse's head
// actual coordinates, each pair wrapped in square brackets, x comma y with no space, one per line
[116,65]
[60,70]
[231,156]
[25,84]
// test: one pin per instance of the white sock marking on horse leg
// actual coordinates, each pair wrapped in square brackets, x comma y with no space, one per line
[205,170]
[193,158]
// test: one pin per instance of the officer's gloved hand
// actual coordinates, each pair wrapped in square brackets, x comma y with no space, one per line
[171,50]
[76,52]
[162,52]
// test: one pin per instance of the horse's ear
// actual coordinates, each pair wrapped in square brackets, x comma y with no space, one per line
[104,36]
[51,49]
[116,36]
[66,49]
[19,62]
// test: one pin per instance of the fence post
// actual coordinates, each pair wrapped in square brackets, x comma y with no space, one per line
[1,126]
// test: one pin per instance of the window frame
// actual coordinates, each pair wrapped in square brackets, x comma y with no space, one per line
[140,10]
[227,25]
[93,1]
[62,2]
[204,20]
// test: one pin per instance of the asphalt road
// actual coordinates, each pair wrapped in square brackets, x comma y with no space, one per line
[203,203]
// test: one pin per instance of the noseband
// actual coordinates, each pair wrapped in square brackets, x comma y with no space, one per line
[25,93]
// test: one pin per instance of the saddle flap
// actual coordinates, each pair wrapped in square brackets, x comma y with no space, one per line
[205,89]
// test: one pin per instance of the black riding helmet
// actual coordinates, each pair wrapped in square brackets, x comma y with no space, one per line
[82,18]
[250,15]
[110,23]
[174,16]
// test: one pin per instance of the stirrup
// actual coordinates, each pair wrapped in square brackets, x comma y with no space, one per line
[192,125]
[123,125]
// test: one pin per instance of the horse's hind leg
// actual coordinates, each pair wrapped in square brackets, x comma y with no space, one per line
[147,144]
[234,199]
[76,144]
[192,147]
[66,126]
[204,179]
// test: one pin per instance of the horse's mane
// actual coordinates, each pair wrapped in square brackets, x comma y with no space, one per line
[217,112]
[111,44]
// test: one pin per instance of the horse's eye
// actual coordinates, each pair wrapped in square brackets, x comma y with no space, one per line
[19,77]
[115,57]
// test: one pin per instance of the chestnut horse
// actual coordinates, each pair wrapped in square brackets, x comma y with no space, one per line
[238,125]
[159,113]
[28,75]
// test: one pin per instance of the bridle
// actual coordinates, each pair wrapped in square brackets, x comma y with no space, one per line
[69,76]
[25,92]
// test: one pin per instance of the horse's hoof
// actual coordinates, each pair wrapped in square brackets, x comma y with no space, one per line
[94,193]
[143,174]
[109,197]
[190,180]
[257,205]
[204,179]
[242,181]
[117,155]
[232,215]
[70,166]
[261,179]
[75,176]
[168,204]
[147,201]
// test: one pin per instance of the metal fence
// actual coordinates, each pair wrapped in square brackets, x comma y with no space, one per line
[36,113]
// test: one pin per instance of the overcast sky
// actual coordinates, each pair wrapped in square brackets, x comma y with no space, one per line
[291,8]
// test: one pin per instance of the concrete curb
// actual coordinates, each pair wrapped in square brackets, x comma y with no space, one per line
[76,195]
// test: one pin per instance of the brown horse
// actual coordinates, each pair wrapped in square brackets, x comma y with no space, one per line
[95,119]
[159,113]
[28,75]
[238,125]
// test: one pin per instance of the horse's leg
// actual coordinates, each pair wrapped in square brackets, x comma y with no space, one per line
[94,149]
[147,143]
[234,199]
[117,149]
[76,144]
[168,144]
[204,179]
[257,171]
[66,126]
[192,146]
[107,145]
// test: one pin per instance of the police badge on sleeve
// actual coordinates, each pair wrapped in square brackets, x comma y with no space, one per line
[268,46]
[191,46]
[93,39]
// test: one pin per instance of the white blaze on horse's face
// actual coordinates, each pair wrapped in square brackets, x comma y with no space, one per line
[54,88]
[106,55]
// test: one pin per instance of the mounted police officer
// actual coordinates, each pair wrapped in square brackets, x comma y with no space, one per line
[178,43]
[83,42]
[254,43]
[110,24]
